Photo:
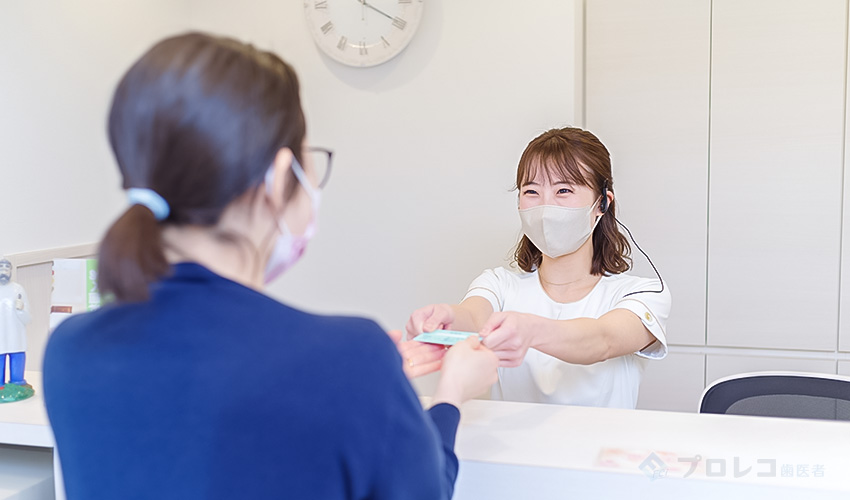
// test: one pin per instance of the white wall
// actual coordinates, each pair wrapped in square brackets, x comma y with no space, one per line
[59,63]
[727,121]
[426,144]
[648,101]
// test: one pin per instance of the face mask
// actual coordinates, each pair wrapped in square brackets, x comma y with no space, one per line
[289,248]
[557,230]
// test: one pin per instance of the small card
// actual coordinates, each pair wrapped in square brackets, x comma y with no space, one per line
[444,337]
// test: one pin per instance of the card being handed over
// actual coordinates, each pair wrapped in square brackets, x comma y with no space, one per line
[444,337]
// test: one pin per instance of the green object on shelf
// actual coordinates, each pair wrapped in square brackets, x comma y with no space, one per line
[14,392]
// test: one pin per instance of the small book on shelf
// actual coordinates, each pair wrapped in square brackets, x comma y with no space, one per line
[74,289]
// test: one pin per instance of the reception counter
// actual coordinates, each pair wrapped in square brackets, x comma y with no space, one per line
[522,450]
[531,451]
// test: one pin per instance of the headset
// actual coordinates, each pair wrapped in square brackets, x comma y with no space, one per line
[603,207]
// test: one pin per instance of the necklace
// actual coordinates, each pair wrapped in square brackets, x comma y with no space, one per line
[562,284]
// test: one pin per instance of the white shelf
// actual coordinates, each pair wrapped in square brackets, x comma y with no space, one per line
[27,466]
[26,473]
[25,422]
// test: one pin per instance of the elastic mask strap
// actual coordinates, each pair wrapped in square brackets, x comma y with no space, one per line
[305,183]
[299,174]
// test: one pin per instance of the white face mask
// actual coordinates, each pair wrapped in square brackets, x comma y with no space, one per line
[557,230]
[289,248]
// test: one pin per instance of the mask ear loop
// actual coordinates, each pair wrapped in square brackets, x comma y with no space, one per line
[269,180]
[298,170]
[599,217]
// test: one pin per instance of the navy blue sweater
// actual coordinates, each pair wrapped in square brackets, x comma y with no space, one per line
[213,390]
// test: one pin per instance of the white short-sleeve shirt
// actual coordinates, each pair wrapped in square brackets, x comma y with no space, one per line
[542,378]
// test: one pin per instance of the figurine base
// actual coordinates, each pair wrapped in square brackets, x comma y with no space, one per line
[14,392]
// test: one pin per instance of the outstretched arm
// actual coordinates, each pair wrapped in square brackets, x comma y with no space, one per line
[580,341]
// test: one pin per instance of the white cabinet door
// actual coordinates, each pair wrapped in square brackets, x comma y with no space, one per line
[718,366]
[674,383]
[646,98]
[844,315]
[777,114]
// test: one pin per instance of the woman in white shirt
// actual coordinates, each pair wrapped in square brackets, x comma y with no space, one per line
[571,328]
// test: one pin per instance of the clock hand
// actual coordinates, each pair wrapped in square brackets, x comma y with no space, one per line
[376,10]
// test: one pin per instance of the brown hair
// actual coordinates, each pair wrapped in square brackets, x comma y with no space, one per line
[198,119]
[576,156]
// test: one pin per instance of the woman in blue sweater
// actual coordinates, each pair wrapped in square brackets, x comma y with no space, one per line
[194,384]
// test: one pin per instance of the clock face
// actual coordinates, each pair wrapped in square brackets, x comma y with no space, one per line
[363,32]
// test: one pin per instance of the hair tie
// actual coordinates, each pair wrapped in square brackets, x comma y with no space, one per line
[150,199]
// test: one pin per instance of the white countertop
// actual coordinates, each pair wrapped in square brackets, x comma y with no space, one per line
[25,422]
[617,441]
[609,442]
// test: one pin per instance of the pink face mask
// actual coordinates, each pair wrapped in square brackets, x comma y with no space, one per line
[289,248]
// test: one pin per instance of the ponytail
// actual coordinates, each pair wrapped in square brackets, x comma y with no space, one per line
[131,256]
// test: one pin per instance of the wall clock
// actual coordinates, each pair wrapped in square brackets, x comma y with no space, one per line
[363,33]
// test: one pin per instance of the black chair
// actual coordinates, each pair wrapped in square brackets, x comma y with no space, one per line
[780,394]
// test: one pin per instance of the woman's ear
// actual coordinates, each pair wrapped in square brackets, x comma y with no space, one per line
[276,179]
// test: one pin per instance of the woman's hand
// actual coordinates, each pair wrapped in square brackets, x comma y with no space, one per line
[419,359]
[508,334]
[430,318]
[469,369]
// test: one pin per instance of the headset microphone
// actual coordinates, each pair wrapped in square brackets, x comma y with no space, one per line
[603,207]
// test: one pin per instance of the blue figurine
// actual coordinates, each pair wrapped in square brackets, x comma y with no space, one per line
[14,318]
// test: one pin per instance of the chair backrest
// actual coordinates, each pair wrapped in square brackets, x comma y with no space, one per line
[780,394]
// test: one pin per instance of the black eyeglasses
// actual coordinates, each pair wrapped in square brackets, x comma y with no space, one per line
[320,161]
